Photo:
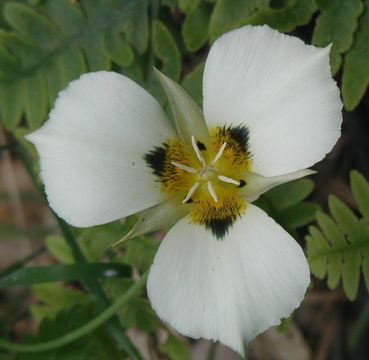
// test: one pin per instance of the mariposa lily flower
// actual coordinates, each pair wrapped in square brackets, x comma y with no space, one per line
[225,270]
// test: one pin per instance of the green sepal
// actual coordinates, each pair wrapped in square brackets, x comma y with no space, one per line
[189,120]
[257,184]
[157,217]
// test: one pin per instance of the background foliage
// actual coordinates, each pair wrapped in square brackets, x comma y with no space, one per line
[47,43]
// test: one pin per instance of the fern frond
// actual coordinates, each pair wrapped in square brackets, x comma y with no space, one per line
[50,44]
[339,248]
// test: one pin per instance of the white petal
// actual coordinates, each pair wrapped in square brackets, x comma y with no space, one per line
[92,149]
[281,89]
[228,290]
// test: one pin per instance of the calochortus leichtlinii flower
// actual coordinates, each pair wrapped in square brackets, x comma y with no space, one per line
[225,270]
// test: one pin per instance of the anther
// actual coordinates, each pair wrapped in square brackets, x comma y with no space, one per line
[191,192]
[197,151]
[219,154]
[228,180]
[184,167]
[212,191]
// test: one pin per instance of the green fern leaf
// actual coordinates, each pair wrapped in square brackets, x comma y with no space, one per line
[295,13]
[195,27]
[192,83]
[31,24]
[12,103]
[35,99]
[136,24]
[345,218]
[120,52]
[231,14]
[337,24]
[318,264]
[166,49]
[51,43]
[356,70]
[341,248]
[188,6]
[360,189]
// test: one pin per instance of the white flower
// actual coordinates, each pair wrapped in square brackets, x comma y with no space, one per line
[225,271]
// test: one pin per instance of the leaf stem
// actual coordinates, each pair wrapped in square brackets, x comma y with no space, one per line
[83,330]
[359,330]
[212,351]
[20,263]
[4,147]
[93,286]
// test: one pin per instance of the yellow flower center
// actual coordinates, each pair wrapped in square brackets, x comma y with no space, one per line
[208,177]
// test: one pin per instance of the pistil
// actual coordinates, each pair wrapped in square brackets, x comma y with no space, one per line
[198,173]
[207,171]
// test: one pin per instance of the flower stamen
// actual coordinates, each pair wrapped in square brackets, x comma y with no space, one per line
[191,192]
[228,180]
[212,191]
[197,151]
[219,153]
[184,167]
